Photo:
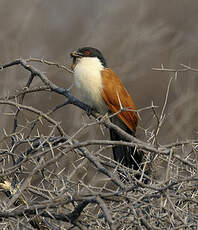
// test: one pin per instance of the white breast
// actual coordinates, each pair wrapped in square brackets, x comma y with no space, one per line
[89,83]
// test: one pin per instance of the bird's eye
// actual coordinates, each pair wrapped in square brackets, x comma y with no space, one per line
[86,53]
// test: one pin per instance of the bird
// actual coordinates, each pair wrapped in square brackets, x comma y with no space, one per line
[101,89]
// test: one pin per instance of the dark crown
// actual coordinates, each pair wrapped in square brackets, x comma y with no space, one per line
[92,52]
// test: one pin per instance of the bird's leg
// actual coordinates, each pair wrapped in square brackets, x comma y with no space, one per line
[90,110]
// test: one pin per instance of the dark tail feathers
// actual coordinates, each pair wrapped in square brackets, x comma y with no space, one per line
[126,155]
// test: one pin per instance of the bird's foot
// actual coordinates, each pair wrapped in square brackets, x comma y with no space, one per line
[89,111]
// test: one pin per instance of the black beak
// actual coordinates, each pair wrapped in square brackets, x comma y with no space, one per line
[76,54]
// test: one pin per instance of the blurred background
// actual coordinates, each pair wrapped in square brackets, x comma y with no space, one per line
[134,36]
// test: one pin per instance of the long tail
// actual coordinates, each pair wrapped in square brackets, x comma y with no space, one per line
[126,155]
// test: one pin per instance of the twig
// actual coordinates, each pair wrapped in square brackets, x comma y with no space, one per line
[49,63]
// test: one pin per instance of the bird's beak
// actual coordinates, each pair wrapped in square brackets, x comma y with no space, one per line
[76,54]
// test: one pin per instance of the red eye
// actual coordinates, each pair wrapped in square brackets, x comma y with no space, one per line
[86,53]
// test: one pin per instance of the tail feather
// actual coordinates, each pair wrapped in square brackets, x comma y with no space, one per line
[126,155]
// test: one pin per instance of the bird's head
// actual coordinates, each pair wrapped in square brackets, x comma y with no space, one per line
[87,52]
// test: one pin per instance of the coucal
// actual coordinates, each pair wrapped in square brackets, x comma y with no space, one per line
[103,91]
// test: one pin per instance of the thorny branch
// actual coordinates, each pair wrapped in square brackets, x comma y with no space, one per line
[46,184]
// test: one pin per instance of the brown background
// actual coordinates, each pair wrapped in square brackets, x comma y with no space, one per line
[134,36]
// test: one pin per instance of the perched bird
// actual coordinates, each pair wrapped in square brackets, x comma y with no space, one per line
[103,91]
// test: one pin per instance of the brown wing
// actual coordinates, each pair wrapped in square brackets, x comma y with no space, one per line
[114,94]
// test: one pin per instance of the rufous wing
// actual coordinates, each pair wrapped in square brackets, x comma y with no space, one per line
[115,95]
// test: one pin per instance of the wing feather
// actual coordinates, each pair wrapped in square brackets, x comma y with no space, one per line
[116,96]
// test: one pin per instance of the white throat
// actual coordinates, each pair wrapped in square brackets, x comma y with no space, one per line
[87,74]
